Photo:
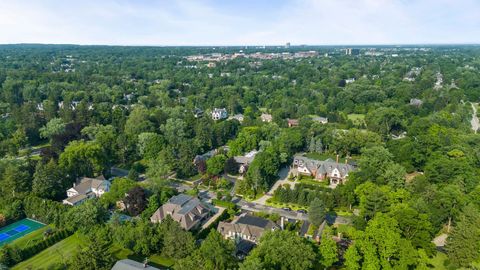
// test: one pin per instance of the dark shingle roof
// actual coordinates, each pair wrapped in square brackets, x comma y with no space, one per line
[254,221]
[180,199]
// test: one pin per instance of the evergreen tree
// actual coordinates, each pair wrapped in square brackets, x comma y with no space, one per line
[316,212]
[463,245]
[328,249]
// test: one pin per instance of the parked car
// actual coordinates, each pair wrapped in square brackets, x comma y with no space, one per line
[302,211]
[287,208]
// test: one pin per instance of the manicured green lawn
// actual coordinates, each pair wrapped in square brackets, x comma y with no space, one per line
[314,182]
[58,253]
[31,237]
[357,119]
[294,207]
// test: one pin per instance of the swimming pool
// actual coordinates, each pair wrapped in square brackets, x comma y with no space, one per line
[18,229]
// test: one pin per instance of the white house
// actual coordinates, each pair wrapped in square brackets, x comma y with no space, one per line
[218,114]
[86,189]
[266,117]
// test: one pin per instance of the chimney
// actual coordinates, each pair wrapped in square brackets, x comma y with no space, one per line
[337,157]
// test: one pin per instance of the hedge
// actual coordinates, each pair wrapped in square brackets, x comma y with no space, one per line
[11,255]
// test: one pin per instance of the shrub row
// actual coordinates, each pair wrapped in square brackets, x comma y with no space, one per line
[11,255]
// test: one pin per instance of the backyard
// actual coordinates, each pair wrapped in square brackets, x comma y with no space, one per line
[62,251]
[56,254]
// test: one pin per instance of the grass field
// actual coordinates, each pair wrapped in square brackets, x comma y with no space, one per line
[65,249]
[58,253]
[357,119]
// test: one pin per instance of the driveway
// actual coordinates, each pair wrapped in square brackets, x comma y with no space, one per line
[283,179]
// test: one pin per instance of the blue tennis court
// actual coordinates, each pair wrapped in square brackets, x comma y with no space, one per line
[18,229]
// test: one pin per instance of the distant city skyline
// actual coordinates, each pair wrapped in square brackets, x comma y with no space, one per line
[249,22]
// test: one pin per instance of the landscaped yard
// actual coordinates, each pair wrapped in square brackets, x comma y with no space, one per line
[64,250]
[357,119]
[311,181]
[58,253]
[294,207]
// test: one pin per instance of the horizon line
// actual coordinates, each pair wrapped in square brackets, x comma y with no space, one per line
[243,45]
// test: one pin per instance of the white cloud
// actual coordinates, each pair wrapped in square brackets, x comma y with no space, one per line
[210,22]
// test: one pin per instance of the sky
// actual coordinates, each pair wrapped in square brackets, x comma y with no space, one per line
[240,22]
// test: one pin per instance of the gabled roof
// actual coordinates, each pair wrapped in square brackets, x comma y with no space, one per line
[75,199]
[247,225]
[128,264]
[87,184]
[185,209]
[326,166]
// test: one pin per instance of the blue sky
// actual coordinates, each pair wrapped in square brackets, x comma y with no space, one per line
[239,22]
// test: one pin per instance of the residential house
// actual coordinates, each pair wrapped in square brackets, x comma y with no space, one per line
[246,230]
[292,122]
[351,80]
[416,102]
[244,161]
[209,154]
[189,211]
[322,170]
[218,114]
[266,117]
[127,264]
[319,119]
[238,117]
[87,188]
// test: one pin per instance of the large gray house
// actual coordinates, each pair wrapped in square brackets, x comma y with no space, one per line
[328,169]
[246,227]
[187,210]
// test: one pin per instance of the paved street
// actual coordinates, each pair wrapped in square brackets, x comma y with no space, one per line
[255,207]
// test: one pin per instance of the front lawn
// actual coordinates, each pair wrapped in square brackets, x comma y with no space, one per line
[294,207]
[311,181]
[61,252]
[64,250]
